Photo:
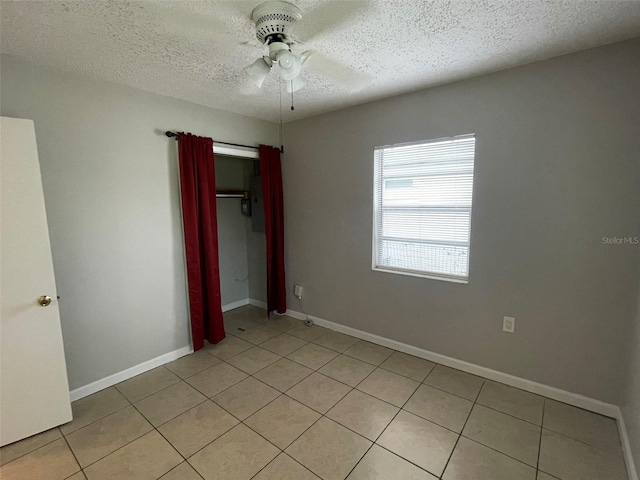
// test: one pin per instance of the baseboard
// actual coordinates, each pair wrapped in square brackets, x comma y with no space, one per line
[257,303]
[521,383]
[111,380]
[242,303]
[233,305]
[558,394]
[626,447]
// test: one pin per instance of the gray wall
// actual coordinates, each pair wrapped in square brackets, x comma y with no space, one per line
[111,192]
[257,258]
[556,170]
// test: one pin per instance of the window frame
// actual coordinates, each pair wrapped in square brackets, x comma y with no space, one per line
[376,244]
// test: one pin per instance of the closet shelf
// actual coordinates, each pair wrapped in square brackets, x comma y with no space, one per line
[229,193]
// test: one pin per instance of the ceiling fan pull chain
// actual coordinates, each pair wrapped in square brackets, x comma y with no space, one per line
[280,90]
[292,95]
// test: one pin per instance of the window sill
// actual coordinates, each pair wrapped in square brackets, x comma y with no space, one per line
[458,280]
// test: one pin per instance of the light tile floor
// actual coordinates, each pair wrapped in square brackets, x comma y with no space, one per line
[280,401]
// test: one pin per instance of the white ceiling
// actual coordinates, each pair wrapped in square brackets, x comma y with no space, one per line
[190,49]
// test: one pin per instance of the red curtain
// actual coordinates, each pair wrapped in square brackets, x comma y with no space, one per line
[199,217]
[271,173]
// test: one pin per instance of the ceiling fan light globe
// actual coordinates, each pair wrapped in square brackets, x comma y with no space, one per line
[258,71]
[286,61]
[290,65]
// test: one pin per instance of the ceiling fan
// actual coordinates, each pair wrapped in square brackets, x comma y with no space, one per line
[273,22]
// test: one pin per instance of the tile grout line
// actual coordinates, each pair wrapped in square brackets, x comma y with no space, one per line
[38,448]
[498,451]
[322,415]
[474,402]
[484,382]
[165,439]
[508,414]
[173,418]
[280,394]
[184,459]
[239,420]
[264,406]
[166,473]
[127,443]
[446,465]
[544,407]
[147,396]
[493,448]
[180,379]
[390,422]
[282,452]
[74,457]
[94,421]
[513,417]
[147,420]
[400,409]
[121,446]
[604,450]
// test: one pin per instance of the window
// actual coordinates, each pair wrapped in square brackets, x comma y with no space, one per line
[422,208]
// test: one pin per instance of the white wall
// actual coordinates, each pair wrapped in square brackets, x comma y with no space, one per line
[111,192]
[556,170]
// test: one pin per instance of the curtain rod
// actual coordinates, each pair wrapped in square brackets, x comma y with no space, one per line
[170,134]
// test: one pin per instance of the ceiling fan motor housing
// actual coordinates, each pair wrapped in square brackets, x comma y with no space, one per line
[273,20]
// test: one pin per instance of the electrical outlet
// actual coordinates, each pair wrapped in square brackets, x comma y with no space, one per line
[297,291]
[508,324]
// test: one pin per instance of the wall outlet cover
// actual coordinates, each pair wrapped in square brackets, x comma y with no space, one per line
[508,324]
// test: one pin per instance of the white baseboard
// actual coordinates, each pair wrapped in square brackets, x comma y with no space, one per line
[233,305]
[626,447]
[111,380]
[560,395]
[257,303]
[242,303]
[554,393]
[521,383]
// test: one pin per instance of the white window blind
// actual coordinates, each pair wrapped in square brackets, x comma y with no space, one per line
[422,207]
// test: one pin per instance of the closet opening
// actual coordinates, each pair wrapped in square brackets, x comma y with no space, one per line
[241,240]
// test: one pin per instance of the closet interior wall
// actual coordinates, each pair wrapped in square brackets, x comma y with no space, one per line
[241,248]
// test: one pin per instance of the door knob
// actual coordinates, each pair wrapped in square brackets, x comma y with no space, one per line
[44,300]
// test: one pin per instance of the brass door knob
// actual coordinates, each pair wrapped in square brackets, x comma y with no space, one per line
[44,300]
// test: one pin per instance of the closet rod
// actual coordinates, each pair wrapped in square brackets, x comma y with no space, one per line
[170,134]
[229,193]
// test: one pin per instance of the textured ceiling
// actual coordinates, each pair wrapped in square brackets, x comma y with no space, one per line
[191,49]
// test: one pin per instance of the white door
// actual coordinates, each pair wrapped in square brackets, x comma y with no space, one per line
[34,391]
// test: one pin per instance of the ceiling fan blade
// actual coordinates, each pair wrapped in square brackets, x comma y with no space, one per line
[343,75]
[327,17]
[304,56]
